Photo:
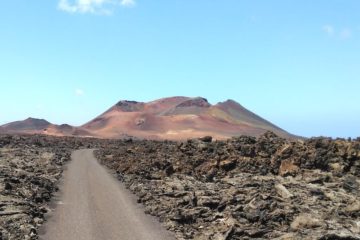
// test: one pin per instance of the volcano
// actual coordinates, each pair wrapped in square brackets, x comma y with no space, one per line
[41,126]
[179,118]
[174,118]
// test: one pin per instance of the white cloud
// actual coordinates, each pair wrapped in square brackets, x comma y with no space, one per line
[39,107]
[79,92]
[329,30]
[104,7]
[128,3]
[345,33]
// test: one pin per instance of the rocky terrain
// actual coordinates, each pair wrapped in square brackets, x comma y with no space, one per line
[30,167]
[245,187]
[241,188]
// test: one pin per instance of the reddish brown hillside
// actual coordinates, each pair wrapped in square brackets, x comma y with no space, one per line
[178,118]
[41,126]
[174,118]
[29,124]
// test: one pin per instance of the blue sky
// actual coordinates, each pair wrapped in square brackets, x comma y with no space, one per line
[295,63]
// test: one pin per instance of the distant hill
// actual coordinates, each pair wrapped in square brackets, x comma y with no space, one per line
[179,118]
[30,124]
[174,118]
[40,126]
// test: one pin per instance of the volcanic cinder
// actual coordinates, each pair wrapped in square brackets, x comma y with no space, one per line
[174,118]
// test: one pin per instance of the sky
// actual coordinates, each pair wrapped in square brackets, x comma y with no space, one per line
[294,63]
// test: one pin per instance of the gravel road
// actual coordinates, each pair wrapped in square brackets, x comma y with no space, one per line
[93,205]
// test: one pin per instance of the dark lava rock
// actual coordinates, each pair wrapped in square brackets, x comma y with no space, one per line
[206,139]
[30,167]
[241,188]
[245,187]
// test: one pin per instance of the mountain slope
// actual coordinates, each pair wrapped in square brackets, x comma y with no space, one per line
[239,114]
[29,124]
[174,118]
[179,118]
[41,126]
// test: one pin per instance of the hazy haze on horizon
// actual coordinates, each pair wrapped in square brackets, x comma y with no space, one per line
[296,64]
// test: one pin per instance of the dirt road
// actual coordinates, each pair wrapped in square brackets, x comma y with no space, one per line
[93,205]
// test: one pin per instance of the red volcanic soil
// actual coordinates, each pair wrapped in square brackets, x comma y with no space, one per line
[179,118]
[174,118]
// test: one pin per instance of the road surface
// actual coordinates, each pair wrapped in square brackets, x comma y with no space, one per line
[93,205]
